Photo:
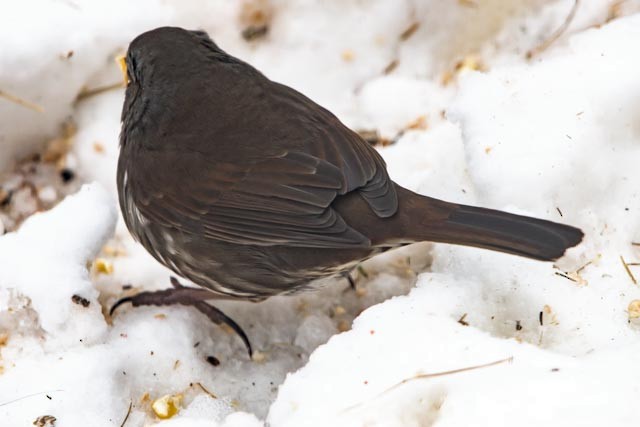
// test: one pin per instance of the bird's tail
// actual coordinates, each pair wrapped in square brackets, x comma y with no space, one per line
[490,229]
[505,232]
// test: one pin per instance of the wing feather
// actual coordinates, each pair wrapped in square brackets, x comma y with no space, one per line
[279,192]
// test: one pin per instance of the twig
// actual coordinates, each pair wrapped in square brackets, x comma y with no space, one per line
[565,276]
[583,267]
[391,66]
[409,31]
[556,34]
[27,396]
[17,100]
[206,391]
[462,320]
[88,93]
[128,413]
[434,375]
[635,243]
[451,372]
[626,267]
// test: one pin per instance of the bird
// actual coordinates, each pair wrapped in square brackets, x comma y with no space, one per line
[249,189]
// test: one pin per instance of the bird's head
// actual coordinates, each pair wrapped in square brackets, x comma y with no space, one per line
[165,52]
[161,62]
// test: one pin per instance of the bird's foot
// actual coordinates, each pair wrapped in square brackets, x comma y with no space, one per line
[183,295]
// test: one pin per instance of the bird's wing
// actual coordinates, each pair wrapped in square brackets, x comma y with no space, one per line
[276,192]
[282,200]
[361,167]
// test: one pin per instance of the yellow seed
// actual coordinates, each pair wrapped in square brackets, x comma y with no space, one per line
[259,356]
[470,63]
[468,3]
[343,326]
[347,55]
[634,309]
[167,406]
[145,397]
[339,310]
[419,123]
[447,77]
[103,266]
[98,148]
[112,251]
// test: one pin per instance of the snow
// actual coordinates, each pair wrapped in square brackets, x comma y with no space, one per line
[554,136]
[49,254]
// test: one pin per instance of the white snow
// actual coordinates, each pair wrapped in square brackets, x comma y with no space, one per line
[554,136]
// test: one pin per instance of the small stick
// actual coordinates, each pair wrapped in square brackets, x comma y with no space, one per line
[88,93]
[392,66]
[434,375]
[28,104]
[206,391]
[27,396]
[451,372]
[128,413]
[583,267]
[462,320]
[411,29]
[626,267]
[565,276]
[556,34]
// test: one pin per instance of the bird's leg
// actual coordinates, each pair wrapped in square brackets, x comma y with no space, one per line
[183,295]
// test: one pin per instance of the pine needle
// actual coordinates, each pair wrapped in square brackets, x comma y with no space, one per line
[128,413]
[628,270]
[27,396]
[88,93]
[556,34]
[23,102]
[434,375]
[206,391]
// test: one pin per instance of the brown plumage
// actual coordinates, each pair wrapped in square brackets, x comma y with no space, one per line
[250,189]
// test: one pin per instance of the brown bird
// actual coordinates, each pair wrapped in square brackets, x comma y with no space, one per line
[250,189]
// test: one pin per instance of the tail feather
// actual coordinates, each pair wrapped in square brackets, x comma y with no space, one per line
[421,218]
[505,232]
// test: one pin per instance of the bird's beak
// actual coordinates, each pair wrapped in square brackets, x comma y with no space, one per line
[120,59]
